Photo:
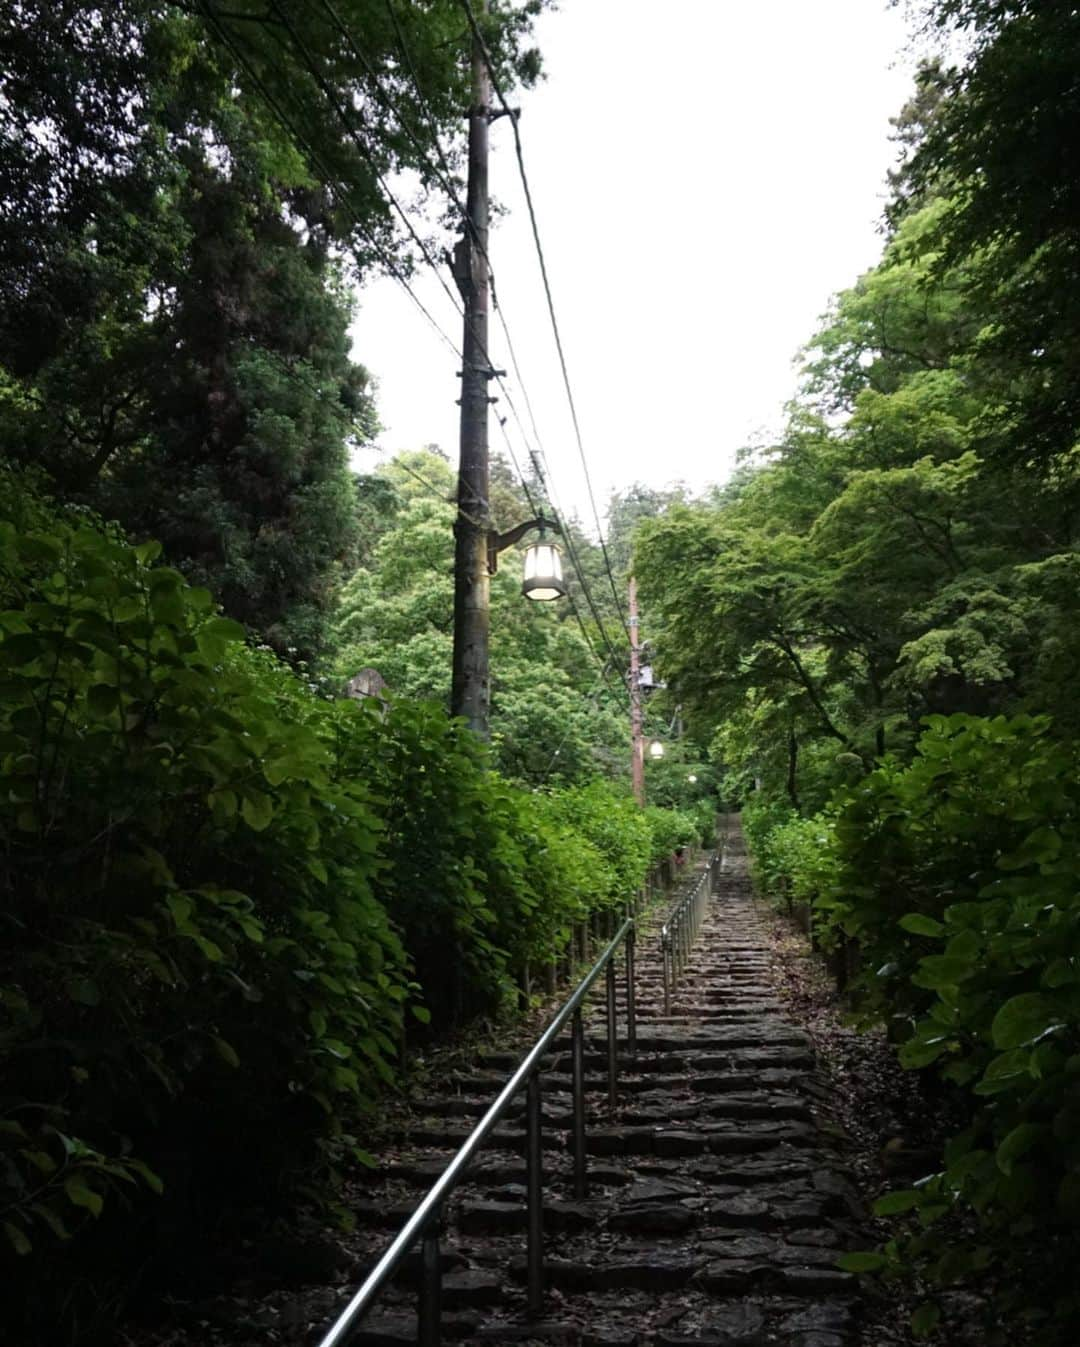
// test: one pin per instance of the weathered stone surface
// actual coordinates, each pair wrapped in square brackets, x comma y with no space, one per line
[661,1115]
[742,1247]
[393,1330]
[475,1218]
[731,1276]
[653,1272]
[560,1215]
[827,1239]
[740,1323]
[411,1266]
[841,1191]
[670,1144]
[773,1168]
[659,1190]
[610,1175]
[472,1287]
[827,1316]
[657,1217]
[805,1255]
[807,1281]
[559,1335]
[724,1129]
[619,1141]
[739,1211]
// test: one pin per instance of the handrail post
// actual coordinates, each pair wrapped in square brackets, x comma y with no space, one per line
[631,1007]
[577,1058]
[534,1179]
[665,951]
[612,1030]
[430,1325]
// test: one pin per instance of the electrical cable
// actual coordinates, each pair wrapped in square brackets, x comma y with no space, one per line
[489,63]
[275,107]
[320,80]
[388,261]
[467,224]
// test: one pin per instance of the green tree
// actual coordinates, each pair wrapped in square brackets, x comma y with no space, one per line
[182,187]
[396,615]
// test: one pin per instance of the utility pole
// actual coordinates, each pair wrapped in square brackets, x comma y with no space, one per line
[637,742]
[471,689]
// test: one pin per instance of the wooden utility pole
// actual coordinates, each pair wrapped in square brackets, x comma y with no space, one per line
[471,689]
[637,743]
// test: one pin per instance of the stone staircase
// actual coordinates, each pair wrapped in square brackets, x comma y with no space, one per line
[717,1203]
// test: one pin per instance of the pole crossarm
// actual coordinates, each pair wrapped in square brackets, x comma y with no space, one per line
[499,542]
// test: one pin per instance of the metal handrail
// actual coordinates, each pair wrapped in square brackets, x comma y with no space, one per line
[423,1224]
[678,933]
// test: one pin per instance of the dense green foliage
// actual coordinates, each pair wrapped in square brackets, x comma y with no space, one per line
[182,201]
[221,889]
[228,895]
[879,618]
[553,719]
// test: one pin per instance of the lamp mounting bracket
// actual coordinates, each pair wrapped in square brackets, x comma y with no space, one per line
[499,542]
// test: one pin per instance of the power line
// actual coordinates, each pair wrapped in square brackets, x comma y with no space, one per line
[388,261]
[275,107]
[342,27]
[467,224]
[479,37]
[320,80]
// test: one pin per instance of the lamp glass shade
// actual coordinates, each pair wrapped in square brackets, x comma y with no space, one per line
[656,749]
[543,577]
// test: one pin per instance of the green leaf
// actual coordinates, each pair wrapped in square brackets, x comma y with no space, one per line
[919,924]
[102,699]
[1018,1142]
[1023,1019]
[226,1051]
[51,1219]
[86,992]
[864,1261]
[917,1052]
[152,1180]
[421,1013]
[894,1204]
[148,552]
[942,970]
[925,1319]
[223,629]
[17,1239]
[257,810]
[82,1195]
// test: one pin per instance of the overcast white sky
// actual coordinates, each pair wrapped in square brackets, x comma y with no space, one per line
[706,173]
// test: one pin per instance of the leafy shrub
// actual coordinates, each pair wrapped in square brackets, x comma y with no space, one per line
[669,829]
[195,976]
[761,819]
[960,875]
[799,855]
[608,818]
[217,885]
[704,812]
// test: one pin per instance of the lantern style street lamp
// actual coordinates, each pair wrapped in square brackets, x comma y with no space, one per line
[542,575]
[656,749]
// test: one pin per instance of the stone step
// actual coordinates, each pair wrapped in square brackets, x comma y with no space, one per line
[717,1202]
